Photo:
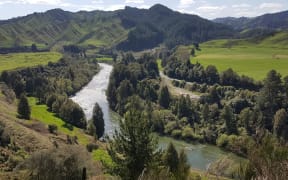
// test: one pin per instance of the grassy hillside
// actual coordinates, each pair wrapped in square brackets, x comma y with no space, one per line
[40,113]
[97,29]
[246,57]
[20,60]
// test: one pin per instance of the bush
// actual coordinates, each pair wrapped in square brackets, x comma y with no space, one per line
[52,128]
[91,146]
[176,133]
[222,141]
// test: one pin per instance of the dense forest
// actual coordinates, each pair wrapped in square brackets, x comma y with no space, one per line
[234,112]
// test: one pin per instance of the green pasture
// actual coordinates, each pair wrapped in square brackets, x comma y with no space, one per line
[19,60]
[246,59]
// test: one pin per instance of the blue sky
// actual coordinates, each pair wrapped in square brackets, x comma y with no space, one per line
[206,8]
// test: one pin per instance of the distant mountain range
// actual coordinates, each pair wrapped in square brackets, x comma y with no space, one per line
[128,29]
[276,21]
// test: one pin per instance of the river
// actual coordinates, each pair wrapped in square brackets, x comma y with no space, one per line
[199,155]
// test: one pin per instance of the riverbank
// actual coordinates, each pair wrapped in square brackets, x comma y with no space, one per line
[200,156]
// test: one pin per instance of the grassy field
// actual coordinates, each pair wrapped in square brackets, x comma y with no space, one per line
[40,113]
[243,56]
[251,61]
[20,60]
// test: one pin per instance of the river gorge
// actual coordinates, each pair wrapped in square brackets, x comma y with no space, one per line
[200,156]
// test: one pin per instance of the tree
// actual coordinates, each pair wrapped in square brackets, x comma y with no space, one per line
[177,164]
[164,97]
[245,117]
[183,166]
[91,129]
[133,147]
[205,113]
[34,48]
[212,75]
[171,158]
[192,52]
[229,119]
[98,120]
[280,122]
[270,98]
[24,110]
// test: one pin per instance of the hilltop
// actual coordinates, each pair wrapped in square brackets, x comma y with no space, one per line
[121,29]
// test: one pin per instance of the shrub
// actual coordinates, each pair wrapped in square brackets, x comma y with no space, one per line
[91,146]
[52,128]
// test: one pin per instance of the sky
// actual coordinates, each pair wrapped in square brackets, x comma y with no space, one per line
[209,9]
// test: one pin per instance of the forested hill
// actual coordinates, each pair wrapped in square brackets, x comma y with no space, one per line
[121,29]
[267,21]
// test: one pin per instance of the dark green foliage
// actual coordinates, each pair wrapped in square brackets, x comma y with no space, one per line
[132,77]
[98,120]
[72,113]
[205,113]
[229,78]
[23,109]
[164,97]
[171,158]
[270,98]
[212,74]
[91,129]
[192,52]
[52,128]
[176,163]
[133,147]
[91,146]
[34,48]
[183,166]
[230,122]
[147,34]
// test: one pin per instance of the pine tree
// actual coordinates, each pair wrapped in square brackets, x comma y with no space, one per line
[98,120]
[183,166]
[164,97]
[24,110]
[133,147]
[270,98]
[229,119]
[171,158]
[205,113]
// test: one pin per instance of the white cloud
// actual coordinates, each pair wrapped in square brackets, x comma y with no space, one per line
[97,2]
[49,2]
[134,1]
[210,8]
[241,5]
[271,6]
[5,2]
[114,7]
[185,3]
